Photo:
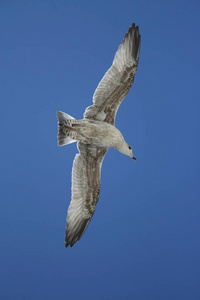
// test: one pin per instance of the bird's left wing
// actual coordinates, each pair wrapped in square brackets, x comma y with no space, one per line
[117,81]
[86,178]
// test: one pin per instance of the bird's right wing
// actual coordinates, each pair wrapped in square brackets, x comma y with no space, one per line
[86,177]
[117,81]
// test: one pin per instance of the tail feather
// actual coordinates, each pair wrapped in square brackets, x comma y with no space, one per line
[63,138]
[63,116]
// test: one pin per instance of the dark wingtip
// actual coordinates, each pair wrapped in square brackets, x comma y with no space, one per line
[66,245]
[72,238]
[133,31]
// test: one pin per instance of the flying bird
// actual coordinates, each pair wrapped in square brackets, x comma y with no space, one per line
[96,133]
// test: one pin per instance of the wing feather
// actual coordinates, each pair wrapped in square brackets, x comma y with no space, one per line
[117,81]
[86,177]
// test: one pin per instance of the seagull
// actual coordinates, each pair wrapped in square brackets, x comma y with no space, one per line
[96,133]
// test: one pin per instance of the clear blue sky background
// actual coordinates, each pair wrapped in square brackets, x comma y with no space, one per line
[143,241]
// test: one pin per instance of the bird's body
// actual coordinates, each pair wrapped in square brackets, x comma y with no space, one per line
[93,132]
[96,133]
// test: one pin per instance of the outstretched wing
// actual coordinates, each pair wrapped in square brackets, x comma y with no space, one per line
[86,177]
[117,81]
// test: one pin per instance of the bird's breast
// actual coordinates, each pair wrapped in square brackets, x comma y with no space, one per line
[101,134]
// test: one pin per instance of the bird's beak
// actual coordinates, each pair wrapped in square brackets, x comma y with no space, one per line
[133,157]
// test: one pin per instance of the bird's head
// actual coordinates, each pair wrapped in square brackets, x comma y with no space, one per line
[127,150]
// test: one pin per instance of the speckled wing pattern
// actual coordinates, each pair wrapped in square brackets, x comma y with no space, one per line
[86,177]
[117,81]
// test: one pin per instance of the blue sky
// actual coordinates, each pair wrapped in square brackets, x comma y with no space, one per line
[143,241]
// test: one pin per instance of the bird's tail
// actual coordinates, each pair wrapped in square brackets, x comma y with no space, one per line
[64,127]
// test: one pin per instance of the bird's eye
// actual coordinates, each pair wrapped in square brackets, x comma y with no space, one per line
[129,147]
